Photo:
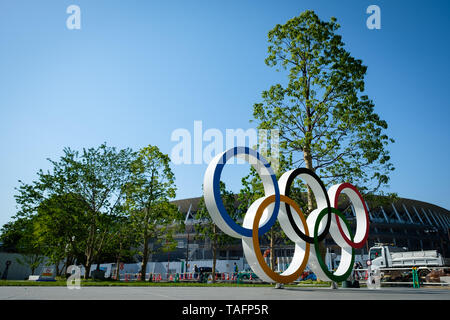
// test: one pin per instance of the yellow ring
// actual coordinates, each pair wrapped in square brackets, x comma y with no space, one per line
[273,275]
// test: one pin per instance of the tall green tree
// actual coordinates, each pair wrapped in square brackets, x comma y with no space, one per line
[59,226]
[325,120]
[97,176]
[207,229]
[149,191]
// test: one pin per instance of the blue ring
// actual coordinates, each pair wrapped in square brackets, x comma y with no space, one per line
[218,200]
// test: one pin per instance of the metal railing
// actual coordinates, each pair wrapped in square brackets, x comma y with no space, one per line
[241,277]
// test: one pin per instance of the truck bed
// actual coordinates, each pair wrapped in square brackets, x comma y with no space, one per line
[417,258]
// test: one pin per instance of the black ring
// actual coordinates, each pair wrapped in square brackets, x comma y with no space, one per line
[286,192]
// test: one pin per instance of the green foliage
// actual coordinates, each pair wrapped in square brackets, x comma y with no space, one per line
[148,193]
[13,233]
[122,244]
[59,226]
[325,119]
[123,241]
[85,191]
[207,229]
[95,205]
[252,189]
[17,236]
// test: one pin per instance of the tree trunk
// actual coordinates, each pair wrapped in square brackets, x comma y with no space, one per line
[89,253]
[308,164]
[57,271]
[308,136]
[272,257]
[118,262]
[69,261]
[144,259]
[214,264]
[118,269]
[214,253]
[87,268]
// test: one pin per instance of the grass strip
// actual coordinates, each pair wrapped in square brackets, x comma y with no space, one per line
[93,283]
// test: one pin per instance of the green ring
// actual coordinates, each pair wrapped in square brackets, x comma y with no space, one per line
[329,274]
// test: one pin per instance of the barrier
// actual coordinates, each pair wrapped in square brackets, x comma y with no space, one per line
[414,278]
[186,276]
[191,277]
[414,274]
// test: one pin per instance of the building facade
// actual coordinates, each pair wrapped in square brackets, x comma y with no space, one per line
[407,223]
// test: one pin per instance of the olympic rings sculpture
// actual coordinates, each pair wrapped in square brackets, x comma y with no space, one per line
[306,233]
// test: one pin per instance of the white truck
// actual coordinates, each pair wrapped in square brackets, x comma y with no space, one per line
[396,263]
[385,256]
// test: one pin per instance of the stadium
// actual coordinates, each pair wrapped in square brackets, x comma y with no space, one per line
[403,223]
[406,223]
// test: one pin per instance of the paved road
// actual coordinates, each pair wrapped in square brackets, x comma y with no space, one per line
[219,293]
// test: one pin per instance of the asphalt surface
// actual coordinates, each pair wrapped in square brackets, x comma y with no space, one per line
[220,293]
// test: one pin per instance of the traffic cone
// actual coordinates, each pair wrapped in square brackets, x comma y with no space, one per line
[171,278]
[228,276]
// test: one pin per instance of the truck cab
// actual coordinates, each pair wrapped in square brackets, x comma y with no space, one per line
[380,256]
[377,257]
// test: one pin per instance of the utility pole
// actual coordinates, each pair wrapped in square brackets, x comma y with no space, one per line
[187,250]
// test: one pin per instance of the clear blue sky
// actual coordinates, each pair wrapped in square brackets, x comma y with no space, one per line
[137,70]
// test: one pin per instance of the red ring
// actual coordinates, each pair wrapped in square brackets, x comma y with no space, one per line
[355,245]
